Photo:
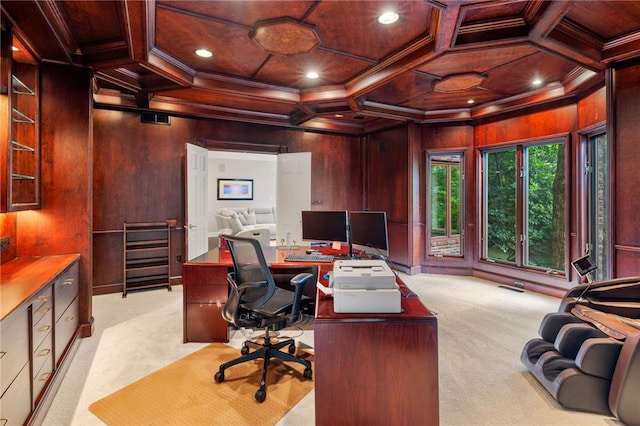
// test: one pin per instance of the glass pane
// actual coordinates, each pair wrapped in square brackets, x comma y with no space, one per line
[445,205]
[545,206]
[438,200]
[455,200]
[500,205]
[598,205]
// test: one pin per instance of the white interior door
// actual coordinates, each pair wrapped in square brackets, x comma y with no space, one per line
[293,194]
[196,193]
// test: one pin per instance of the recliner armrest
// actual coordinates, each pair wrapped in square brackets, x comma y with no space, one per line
[598,356]
[572,336]
[625,386]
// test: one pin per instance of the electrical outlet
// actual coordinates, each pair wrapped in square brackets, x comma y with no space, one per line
[4,244]
[179,258]
[518,284]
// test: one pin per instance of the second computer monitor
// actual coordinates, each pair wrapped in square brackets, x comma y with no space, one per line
[325,226]
[369,232]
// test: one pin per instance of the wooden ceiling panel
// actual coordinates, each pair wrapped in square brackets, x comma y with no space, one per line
[476,60]
[603,18]
[454,100]
[516,77]
[234,52]
[245,12]
[482,13]
[352,26]
[424,68]
[402,89]
[291,70]
[82,16]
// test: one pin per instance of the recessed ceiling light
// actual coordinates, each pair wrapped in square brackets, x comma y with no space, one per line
[388,17]
[312,74]
[15,49]
[203,53]
[471,101]
[536,82]
[339,115]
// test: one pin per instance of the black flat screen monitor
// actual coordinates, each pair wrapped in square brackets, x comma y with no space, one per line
[369,232]
[325,226]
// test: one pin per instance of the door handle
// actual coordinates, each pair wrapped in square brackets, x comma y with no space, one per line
[190,226]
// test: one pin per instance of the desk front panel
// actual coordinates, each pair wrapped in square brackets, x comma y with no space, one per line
[376,369]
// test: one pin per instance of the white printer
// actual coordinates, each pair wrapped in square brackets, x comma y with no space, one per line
[364,286]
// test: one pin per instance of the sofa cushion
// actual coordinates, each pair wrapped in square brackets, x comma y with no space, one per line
[264,215]
[250,218]
[229,220]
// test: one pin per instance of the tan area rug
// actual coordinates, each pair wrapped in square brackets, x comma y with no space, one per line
[184,393]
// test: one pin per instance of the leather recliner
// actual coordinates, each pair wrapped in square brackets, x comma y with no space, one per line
[589,359]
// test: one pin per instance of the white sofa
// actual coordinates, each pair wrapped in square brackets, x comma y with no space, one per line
[239,219]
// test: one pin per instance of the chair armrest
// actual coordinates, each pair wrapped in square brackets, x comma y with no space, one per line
[572,336]
[298,282]
[553,322]
[598,356]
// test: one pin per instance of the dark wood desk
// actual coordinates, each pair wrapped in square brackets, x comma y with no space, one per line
[376,369]
[370,369]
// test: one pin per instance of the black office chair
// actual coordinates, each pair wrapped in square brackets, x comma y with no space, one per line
[255,302]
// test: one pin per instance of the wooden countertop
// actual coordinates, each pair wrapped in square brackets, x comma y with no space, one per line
[21,278]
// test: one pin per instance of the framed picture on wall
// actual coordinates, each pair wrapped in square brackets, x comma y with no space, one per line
[235,189]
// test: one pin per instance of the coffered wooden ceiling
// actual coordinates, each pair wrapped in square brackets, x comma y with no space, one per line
[426,67]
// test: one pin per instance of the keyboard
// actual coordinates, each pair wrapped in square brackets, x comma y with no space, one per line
[313,258]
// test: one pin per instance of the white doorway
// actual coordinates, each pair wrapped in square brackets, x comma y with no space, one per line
[264,170]
[196,200]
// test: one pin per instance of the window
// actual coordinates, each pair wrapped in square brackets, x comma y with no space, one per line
[445,205]
[524,205]
[597,183]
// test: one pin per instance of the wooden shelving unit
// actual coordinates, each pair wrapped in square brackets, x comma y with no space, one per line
[147,249]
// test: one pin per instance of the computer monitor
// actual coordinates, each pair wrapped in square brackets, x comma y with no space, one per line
[325,226]
[368,232]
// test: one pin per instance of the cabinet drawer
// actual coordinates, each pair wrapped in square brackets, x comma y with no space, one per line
[42,364]
[14,346]
[15,404]
[65,290]
[41,305]
[43,328]
[208,293]
[66,327]
[204,323]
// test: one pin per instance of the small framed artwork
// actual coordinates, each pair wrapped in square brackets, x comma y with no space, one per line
[235,189]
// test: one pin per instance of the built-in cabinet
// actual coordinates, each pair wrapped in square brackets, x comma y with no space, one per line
[39,324]
[21,145]
[147,249]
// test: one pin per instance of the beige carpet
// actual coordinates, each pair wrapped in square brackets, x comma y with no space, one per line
[185,393]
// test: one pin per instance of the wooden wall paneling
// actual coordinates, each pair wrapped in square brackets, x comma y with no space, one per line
[386,177]
[148,182]
[592,109]
[626,149]
[63,224]
[138,170]
[335,169]
[107,262]
[627,262]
